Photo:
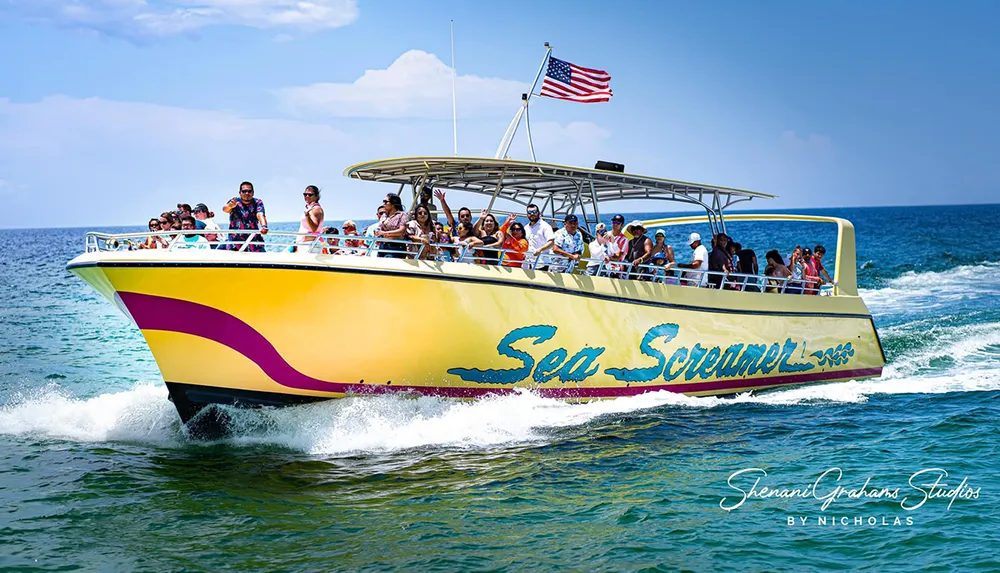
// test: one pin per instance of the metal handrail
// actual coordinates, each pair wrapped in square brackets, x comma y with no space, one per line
[497,256]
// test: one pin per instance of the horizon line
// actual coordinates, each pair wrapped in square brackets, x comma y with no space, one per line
[784,210]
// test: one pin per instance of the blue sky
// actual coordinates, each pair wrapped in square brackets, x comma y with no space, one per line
[114,110]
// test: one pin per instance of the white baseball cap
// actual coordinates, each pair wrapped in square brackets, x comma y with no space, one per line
[693,237]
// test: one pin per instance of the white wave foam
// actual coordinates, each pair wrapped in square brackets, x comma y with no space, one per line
[141,414]
[395,423]
[388,423]
[934,289]
[953,350]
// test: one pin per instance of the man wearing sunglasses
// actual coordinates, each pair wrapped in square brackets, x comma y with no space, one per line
[464,214]
[538,233]
[246,213]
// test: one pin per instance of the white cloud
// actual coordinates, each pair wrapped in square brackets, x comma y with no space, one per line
[142,19]
[101,162]
[107,162]
[417,84]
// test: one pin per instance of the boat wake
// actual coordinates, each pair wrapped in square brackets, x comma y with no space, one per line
[930,353]
[392,423]
[936,291]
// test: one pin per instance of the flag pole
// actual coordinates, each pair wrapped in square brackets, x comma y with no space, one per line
[508,136]
[527,126]
[454,74]
[548,52]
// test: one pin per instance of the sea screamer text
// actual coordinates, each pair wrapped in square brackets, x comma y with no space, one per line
[684,363]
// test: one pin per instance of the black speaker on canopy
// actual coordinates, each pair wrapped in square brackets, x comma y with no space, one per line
[609,166]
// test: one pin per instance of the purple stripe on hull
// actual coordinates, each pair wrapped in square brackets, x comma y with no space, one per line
[174,315]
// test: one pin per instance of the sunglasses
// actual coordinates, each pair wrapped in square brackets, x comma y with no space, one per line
[250,191]
[532,212]
[309,194]
[164,222]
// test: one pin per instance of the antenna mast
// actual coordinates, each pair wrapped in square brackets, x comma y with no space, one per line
[454,107]
[522,111]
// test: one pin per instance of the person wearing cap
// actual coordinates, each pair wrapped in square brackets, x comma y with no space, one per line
[620,241]
[640,250]
[602,250]
[566,242]
[660,246]
[811,275]
[659,270]
[699,262]
[204,219]
[538,233]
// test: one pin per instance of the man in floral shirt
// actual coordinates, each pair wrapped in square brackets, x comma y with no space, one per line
[567,242]
[246,213]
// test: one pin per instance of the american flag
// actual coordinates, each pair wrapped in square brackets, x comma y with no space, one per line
[564,80]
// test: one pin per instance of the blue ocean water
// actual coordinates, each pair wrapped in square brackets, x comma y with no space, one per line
[96,472]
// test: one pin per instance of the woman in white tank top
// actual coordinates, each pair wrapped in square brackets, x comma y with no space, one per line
[312,217]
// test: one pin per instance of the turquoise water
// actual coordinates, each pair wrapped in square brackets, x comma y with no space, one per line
[96,472]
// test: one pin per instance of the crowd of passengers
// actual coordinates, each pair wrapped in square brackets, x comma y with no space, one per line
[417,233]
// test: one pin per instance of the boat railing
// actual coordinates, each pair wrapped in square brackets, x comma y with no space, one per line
[356,245]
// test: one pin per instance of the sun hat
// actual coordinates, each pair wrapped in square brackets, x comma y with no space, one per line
[660,232]
[693,237]
[635,225]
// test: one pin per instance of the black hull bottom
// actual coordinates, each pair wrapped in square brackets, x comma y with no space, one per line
[195,404]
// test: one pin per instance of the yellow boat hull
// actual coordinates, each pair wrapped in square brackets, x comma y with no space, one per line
[250,328]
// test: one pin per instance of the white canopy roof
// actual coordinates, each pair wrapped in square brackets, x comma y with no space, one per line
[557,188]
